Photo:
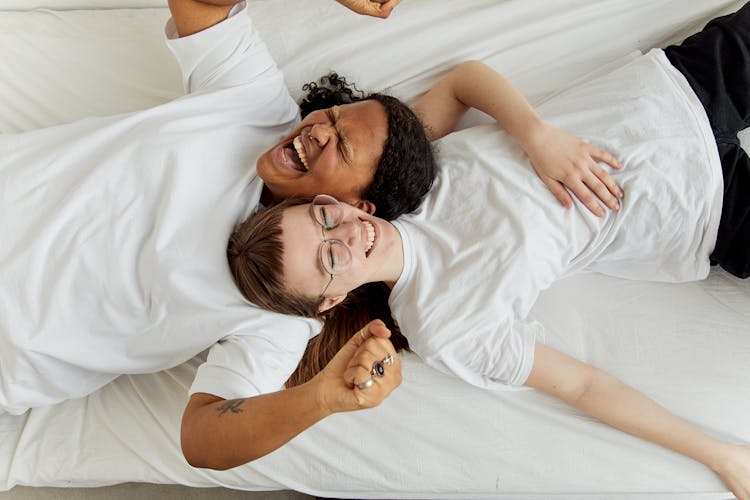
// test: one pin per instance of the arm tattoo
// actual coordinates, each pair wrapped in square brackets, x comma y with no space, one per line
[233,406]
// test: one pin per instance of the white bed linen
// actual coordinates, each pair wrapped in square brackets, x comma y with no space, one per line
[688,346]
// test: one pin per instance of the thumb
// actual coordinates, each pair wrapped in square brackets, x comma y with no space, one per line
[375,328]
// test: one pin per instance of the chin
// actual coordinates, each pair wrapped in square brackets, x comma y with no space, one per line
[263,164]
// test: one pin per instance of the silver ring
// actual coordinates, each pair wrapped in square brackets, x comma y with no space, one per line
[378,369]
[366,384]
[388,360]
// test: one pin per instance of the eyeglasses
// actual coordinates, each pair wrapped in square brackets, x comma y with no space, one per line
[335,255]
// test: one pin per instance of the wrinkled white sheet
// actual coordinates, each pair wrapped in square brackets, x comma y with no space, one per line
[688,346]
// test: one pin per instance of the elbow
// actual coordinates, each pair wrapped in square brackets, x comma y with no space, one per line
[198,450]
[193,451]
[199,457]
[472,67]
[203,452]
[590,388]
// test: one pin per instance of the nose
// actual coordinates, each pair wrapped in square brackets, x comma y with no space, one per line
[321,133]
[349,231]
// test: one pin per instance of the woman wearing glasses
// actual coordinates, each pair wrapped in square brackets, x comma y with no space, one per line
[117,259]
[465,270]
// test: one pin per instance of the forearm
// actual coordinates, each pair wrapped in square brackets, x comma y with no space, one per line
[624,408]
[475,85]
[483,88]
[224,434]
[601,395]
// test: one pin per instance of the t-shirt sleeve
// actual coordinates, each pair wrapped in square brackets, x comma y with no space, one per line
[496,358]
[228,54]
[260,362]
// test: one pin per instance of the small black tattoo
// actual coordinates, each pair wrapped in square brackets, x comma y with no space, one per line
[232,405]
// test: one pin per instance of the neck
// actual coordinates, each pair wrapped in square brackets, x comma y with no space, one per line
[395,263]
[267,198]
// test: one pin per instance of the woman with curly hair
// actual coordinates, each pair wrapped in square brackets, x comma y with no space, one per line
[117,261]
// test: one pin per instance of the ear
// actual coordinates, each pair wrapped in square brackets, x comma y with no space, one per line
[365,206]
[330,302]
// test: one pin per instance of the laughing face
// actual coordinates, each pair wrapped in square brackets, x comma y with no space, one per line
[334,151]
[375,246]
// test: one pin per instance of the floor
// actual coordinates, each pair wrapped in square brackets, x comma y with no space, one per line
[140,491]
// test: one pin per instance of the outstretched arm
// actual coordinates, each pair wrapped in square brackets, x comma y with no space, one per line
[560,160]
[603,396]
[221,434]
[192,16]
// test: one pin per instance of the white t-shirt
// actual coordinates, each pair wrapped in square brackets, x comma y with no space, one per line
[114,234]
[490,236]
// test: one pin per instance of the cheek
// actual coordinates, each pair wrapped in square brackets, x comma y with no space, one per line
[346,184]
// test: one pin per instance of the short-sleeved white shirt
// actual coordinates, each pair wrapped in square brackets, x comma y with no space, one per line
[114,234]
[490,236]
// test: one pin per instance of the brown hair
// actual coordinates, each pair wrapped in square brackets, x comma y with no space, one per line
[255,252]
[366,303]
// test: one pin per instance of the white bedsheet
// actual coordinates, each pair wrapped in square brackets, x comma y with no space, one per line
[688,346]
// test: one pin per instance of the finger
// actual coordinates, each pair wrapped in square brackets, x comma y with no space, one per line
[608,181]
[583,193]
[384,9]
[372,351]
[600,188]
[365,360]
[358,374]
[605,156]
[559,191]
[376,328]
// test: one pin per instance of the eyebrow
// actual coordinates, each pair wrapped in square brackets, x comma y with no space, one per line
[347,150]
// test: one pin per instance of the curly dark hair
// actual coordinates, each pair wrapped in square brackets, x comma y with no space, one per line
[407,167]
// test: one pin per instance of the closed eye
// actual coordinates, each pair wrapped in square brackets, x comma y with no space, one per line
[331,258]
[341,141]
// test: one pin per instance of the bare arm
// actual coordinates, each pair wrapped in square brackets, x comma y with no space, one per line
[221,434]
[192,16]
[602,396]
[560,160]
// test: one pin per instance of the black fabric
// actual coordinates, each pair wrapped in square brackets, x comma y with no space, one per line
[716,63]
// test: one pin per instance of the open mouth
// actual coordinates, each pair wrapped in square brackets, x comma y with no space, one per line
[295,154]
[371,237]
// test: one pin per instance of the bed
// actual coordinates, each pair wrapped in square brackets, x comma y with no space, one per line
[686,345]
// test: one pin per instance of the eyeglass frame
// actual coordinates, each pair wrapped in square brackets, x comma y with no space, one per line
[323,228]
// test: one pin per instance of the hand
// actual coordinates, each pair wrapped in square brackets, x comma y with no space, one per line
[375,8]
[735,471]
[562,160]
[337,382]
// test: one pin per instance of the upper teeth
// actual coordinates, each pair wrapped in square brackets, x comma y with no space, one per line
[370,235]
[300,151]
